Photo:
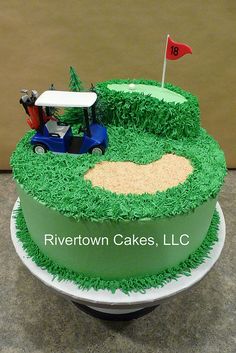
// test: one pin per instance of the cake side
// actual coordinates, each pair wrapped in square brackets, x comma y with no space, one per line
[110,249]
[126,285]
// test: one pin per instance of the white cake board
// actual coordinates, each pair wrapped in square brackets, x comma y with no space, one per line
[119,302]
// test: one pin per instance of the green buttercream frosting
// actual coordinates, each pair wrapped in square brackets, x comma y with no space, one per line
[137,284]
[57,180]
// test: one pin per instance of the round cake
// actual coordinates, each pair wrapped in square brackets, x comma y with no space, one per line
[138,215]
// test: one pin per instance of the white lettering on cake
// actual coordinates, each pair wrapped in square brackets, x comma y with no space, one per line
[171,240]
[133,240]
[181,239]
[118,239]
[48,237]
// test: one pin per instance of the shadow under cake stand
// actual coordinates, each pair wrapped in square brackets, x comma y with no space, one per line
[119,306]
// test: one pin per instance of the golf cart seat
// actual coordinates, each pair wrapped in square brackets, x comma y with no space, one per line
[53,128]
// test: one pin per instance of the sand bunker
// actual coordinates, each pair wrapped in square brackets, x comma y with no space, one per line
[132,178]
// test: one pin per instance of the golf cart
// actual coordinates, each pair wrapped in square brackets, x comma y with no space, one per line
[53,135]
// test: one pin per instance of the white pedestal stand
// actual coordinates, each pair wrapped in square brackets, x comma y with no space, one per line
[120,306]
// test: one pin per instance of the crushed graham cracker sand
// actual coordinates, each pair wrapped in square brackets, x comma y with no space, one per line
[132,178]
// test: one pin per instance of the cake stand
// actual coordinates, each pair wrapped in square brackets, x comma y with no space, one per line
[120,306]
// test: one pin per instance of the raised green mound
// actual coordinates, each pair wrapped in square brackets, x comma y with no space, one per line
[57,180]
[137,284]
[172,112]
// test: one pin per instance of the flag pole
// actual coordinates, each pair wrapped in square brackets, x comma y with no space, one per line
[164,64]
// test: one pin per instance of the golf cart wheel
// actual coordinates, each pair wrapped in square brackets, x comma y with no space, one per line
[98,150]
[40,148]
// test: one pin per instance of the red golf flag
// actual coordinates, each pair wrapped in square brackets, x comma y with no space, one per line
[175,50]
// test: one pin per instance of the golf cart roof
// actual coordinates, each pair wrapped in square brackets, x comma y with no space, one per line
[53,98]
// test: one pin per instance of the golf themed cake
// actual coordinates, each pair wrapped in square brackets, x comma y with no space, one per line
[119,190]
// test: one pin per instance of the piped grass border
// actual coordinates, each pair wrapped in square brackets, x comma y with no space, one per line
[144,112]
[57,181]
[136,284]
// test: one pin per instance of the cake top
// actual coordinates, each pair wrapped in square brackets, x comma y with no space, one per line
[58,180]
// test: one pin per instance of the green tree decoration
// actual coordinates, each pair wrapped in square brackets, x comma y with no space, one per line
[73,116]
[75,82]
